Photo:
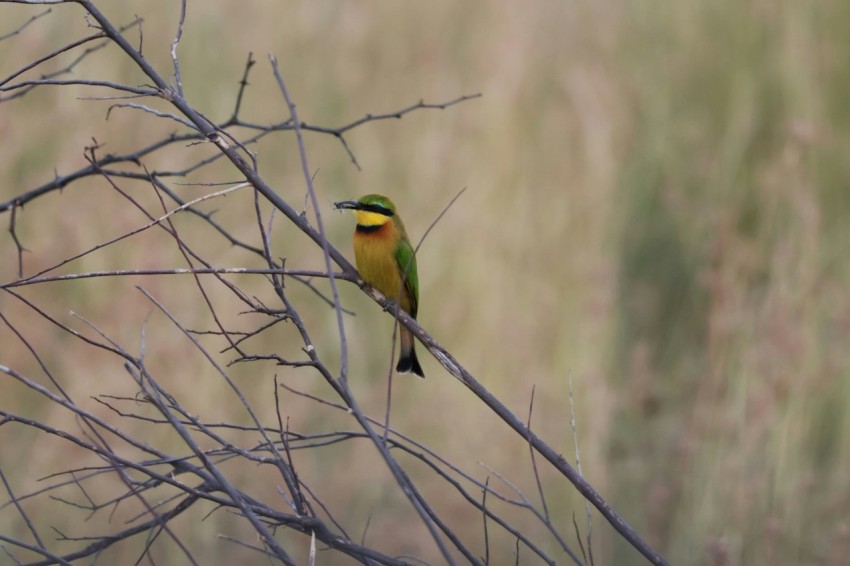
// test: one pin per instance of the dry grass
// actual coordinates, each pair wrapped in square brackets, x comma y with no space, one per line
[657,207]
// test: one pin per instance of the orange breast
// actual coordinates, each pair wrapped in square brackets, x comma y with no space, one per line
[374,253]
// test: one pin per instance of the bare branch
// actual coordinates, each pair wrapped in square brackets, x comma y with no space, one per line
[178,79]
[578,467]
[323,241]
[50,55]
[196,472]
[21,511]
[141,91]
[534,461]
[25,25]
[150,110]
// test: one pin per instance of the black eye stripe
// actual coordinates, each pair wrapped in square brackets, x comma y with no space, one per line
[377,209]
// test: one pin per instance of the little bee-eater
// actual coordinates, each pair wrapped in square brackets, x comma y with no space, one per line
[386,261]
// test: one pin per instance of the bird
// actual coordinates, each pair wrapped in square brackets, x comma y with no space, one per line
[387,262]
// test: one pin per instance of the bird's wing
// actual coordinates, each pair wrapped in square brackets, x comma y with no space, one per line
[406,261]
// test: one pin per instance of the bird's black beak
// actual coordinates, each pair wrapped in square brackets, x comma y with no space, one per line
[352,204]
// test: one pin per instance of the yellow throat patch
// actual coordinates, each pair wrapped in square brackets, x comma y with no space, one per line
[366,218]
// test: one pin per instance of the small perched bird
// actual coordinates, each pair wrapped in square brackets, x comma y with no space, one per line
[386,261]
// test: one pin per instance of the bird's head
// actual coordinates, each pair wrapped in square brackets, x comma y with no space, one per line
[371,210]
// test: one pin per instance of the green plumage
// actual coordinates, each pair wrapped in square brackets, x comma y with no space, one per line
[406,261]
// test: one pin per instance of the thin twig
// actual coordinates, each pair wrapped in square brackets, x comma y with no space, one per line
[484,520]
[534,461]
[26,24]
[21,511]
[578,467]
[302,152]
[178,78]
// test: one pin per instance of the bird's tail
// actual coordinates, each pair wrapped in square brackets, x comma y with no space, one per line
[407,361]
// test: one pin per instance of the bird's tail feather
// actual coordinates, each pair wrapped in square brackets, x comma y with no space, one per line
[409,363]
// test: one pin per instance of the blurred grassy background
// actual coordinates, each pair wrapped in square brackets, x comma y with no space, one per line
[657,208]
